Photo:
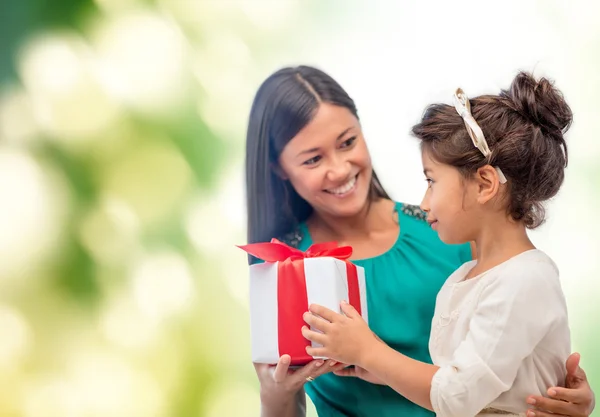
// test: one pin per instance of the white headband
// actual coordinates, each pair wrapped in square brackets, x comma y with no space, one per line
[463,107]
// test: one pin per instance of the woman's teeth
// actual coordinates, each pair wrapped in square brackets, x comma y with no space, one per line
[344,188]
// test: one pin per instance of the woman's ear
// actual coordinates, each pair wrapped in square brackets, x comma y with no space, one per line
[488,183]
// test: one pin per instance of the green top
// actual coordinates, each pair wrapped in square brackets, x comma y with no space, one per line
[402,285]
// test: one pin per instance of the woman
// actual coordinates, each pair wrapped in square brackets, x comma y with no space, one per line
[310,179]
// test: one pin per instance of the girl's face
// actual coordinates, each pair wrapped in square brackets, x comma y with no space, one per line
[450,202]
[328,163]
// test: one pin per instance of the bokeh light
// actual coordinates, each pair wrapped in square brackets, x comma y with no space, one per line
[122,126]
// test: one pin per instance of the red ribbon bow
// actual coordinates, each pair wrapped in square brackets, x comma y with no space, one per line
[291,289]
[276,251]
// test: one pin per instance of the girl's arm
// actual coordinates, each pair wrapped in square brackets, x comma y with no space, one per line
[506,327]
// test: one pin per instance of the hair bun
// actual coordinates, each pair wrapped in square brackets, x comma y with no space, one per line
[541,103]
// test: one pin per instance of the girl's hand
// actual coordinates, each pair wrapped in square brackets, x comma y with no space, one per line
[345,338]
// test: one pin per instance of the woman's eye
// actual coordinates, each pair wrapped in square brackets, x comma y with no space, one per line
[429,182]
[348,142]
[312,160]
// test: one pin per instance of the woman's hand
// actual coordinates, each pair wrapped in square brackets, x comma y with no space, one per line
[361,373]
[576,399]
[281,392]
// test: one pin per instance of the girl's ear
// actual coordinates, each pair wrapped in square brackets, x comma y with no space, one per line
[488,183]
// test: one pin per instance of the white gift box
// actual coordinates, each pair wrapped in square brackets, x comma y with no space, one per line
[276,312]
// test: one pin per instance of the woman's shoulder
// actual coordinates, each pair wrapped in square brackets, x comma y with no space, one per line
[295,237]
[412,211]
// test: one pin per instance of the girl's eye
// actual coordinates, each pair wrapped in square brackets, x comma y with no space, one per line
[312,160]
[348,142]
[429,182]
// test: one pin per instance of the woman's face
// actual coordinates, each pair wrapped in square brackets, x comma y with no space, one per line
[328,163]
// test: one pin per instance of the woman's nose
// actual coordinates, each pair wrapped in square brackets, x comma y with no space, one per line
[339,170]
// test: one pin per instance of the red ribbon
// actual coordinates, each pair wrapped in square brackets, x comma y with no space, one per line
[291,289]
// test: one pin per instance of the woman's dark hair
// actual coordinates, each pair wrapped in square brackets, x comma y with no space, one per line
[524,127]
[284,104]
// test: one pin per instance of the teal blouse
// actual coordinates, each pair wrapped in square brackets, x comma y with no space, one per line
[402,285]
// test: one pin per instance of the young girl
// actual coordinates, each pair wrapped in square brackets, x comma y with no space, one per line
[500,328]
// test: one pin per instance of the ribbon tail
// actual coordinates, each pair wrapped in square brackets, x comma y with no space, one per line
[353,287]
[271,251]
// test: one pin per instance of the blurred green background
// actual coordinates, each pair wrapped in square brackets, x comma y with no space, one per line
[122,128]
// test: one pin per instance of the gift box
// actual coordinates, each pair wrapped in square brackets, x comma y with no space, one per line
[282,288]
